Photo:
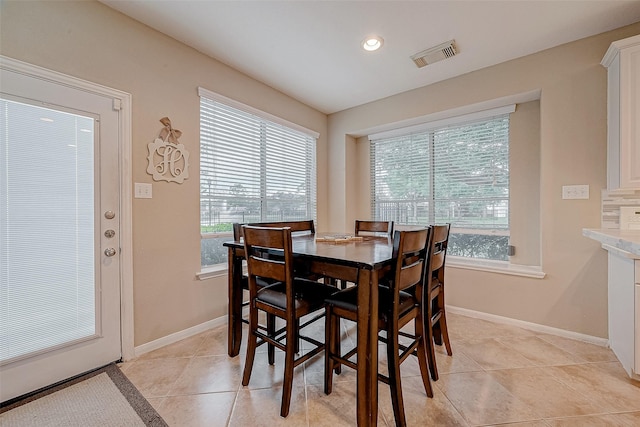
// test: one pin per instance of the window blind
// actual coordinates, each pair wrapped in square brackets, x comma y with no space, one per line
[47,274]
[251,170]
[456,174]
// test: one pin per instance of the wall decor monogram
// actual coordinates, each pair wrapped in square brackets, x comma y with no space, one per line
[168,159]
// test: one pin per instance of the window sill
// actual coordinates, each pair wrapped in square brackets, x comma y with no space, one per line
[211,272]
[453,262]
[499,267]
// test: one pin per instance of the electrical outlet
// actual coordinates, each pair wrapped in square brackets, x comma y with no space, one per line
[575,191]
[143,191]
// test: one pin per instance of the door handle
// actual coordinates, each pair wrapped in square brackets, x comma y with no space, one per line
[110,252]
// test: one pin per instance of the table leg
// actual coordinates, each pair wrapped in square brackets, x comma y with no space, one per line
[235,303]
[367,377]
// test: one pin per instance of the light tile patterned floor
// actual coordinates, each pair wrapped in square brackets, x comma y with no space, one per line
[497,375]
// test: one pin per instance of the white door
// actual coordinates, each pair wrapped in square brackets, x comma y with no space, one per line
[60,232]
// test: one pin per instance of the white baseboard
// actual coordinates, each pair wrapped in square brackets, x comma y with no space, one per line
[180,335]
[603,342]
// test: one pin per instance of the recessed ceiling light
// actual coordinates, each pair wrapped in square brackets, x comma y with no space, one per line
[46,119]
[372,43]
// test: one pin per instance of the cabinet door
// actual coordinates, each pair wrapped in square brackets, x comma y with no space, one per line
[629,119]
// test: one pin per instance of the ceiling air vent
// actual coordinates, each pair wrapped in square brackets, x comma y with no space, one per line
[435,54]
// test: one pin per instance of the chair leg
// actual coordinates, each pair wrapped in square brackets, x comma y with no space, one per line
[435,326]
[289,359]
[296,337]
[443,326]
[395,383]
[329,349]
[252,343]
[271,329]
[337,334]
[422,355]
[429,343]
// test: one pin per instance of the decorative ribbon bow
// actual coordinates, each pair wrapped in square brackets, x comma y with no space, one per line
[168,133]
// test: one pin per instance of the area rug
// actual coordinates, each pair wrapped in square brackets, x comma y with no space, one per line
[104,397]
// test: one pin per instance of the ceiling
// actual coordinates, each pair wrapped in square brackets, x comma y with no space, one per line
[310,50]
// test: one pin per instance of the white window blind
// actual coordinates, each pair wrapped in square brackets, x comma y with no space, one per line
[456,174]
[251,169]
[47,275]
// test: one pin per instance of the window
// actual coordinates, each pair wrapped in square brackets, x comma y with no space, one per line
[454,173]
[253,167]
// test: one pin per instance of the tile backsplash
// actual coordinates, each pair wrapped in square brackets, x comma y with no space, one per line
[612,200]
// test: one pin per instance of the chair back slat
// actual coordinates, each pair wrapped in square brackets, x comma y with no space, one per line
[374,227]
[439,249]
[268,268]
[411,275]
[295,226]
[437,260]
[237,231]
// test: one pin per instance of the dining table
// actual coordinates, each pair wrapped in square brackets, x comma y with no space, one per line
[361,261]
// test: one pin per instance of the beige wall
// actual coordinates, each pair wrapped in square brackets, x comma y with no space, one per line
[93,42]
[571,150]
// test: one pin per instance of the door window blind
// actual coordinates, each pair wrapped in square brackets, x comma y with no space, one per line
[456,174]
[47,274]
[251,169]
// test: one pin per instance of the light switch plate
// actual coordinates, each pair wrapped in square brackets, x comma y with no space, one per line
[575,191]
[143,191]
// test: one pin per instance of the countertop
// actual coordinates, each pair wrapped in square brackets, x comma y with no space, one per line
[623,240]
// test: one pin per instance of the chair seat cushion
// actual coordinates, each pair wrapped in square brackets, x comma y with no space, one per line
[348,300]
[309,295]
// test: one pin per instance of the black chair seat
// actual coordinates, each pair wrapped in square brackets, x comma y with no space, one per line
[309,295]
[348,300]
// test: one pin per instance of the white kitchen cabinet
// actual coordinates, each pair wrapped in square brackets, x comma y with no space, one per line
[623,247]
[622,61]
[623,273]
[637,333]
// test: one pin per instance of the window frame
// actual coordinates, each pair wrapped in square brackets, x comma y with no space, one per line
[428,129]
[266,120]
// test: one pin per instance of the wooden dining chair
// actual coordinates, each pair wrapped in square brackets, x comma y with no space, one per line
[400,301]
[376,227]
[298,227]
[435,309]
[289,298]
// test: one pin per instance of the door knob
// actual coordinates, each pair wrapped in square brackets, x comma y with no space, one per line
[109,214]
[109,252]
[109,233]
